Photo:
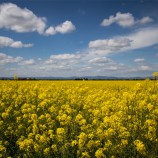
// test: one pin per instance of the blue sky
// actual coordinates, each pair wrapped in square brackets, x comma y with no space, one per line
[41,38]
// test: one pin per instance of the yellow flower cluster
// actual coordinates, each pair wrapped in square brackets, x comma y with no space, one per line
[102,119]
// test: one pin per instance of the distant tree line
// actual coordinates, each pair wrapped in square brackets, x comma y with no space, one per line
[81,79]
[18,78]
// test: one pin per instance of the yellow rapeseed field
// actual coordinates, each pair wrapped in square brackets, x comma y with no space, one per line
[73,119]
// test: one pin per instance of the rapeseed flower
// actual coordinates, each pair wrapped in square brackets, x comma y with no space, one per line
[83,119]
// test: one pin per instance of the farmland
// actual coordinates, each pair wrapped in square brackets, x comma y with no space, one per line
[69,119]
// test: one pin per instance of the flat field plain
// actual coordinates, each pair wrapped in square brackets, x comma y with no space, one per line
[69,119]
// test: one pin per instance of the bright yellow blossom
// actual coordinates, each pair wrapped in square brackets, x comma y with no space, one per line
[78,119]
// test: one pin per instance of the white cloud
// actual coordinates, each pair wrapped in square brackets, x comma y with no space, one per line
[50,31]
[65,27]
[87,65]
[110,44]
[42,68]
[19,19]
[144,67]
[2,55]
[114,68]
[17,44]
[6,59]
[145,20]
[27,62]
[8,42]
[50,61]
[122,19]
[125,20]
[63,60]
[140,39]
[143,38]
[28,45]
[85,68]
[100,60]
[139,60]
[65,56]
[5,41]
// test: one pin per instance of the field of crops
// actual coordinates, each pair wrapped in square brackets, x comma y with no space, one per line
[70,119]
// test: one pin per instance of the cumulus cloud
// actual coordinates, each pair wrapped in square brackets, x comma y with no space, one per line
[141,38]
[66,65]
[145,20]
[100,60]
[19,19]
[65,27]
[27,62]
[65,56]
[125,20]
[9,42]
[63,60]
[139,60]
[110,44]
[122,19]
[50,31]
[6,59]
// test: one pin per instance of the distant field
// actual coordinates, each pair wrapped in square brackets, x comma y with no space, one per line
[69,119]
